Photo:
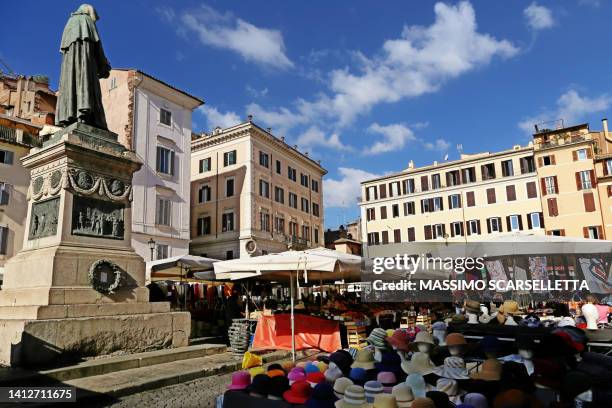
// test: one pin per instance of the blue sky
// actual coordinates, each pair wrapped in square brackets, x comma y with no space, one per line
[364,88]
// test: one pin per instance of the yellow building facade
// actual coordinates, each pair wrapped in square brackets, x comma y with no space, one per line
[253,194]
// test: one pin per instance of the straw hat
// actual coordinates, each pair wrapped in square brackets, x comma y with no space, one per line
[455,339]
[472,306]
[420,363]
[354,397]
[385,401]
[423,402]
[364,359]
[378,338]
[510,307]
[424,337]
[340,386]
[372,388]
[403,395]
[491,370]
[453,368]
[447,386]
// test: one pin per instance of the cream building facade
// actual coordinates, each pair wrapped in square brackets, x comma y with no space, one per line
[460,201]
[560,184]
[17,136]
[253,194]
[153,119]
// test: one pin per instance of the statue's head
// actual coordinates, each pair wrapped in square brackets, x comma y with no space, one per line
[89,10]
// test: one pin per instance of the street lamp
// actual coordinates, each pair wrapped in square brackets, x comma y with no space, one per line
[152,245]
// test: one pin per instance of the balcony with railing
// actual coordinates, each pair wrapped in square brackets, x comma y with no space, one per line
[18,136]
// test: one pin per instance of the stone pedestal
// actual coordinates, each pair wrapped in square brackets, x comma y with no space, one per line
[77,286]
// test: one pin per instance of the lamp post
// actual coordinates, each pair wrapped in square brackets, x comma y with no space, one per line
[152,245]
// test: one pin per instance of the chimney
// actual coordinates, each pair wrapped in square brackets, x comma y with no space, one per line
[250,118]
[411,164]
[604,123]
[435,163]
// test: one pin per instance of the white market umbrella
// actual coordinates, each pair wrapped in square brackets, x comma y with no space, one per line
[179,266]
[322,263]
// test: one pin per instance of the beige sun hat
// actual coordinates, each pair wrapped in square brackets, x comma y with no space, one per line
[403,395]
[420,364]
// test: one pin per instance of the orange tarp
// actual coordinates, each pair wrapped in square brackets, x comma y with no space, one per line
[310,332]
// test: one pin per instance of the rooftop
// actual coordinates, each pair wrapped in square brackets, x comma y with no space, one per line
[219,132]
[197,98]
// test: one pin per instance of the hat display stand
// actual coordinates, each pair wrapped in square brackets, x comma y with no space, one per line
[240,335]
[408,320]
[356,334]
[591,315]
[424,320]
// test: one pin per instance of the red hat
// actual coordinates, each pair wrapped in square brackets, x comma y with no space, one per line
[298,394]
[569,341]
[315,378]
[400,340]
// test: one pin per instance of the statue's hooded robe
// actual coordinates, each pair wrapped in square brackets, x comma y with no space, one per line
[83,64]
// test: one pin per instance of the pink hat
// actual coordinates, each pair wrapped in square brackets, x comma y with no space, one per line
[240,380]
[296,375]
[387,379]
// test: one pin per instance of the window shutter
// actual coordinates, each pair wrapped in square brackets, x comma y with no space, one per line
[441,204]
[585,232]
[553,161]
[529,224]
[553,210]
[367,194]
[556,184]
[508,225]
[540,162]
[172,163]
[491,196]
[469,228]
[578,181]
[383,212]
[478,226]
[404,186]
[543,186]
[541,215]
[3,239]
[589,202]
[462,229]
[449,202]
[471,202]
[489,225]
[589,153]
[510,193]
[575,155]
[424,183]
[5,193]
[520,220]
[200,194]
[428,232]
[159,156]
[531,190]
[600,232]
[201,166]
[609,191]
[383,190]
[411,234]
[593,179]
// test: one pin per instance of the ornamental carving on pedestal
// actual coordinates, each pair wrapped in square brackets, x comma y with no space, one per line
[104,276]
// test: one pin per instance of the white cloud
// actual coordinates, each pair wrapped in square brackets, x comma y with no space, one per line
[571,107]
[420,61]
[256,93]
[314,136]
[394,138]
[280,120]
[215,118]
[166,13]
[439,145]
[344,191]
[261,45]
[538,17]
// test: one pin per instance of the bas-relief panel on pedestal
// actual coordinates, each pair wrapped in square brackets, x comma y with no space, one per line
[97,218]
[43,222]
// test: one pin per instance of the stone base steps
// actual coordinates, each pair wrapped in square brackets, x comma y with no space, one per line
[107,365]
[136,380]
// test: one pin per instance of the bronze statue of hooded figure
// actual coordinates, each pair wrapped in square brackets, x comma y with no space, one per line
[83,64]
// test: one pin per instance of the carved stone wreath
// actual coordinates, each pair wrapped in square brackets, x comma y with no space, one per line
[56,178]
[104,276]
[37,184]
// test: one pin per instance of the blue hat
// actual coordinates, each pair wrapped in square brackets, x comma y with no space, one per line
[322,397]
[358,375]
[490,343]
[390,361]
[311,368]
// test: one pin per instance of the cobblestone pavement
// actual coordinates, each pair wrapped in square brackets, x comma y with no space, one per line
[199,393]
